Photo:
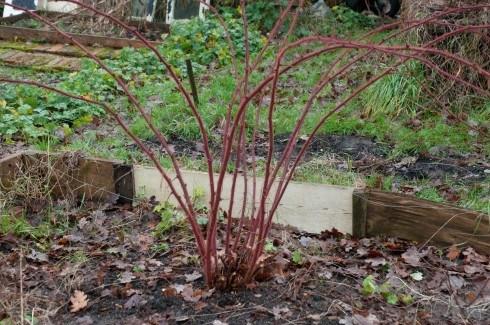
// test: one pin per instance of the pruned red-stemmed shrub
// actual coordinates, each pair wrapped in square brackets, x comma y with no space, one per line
[232,258]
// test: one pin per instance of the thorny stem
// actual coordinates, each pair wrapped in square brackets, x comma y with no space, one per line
[118,118]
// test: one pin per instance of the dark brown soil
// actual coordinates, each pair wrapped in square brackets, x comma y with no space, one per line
[108,254]
[367,156]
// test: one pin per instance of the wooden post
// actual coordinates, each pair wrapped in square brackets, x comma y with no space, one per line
[359,213]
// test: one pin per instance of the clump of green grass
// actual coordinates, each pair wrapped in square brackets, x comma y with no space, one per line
[397,94]
[430,194]
[19,226]
[321,171]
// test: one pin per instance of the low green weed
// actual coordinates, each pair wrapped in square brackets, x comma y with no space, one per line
[170,220]
[297,257]
[205,41]
[19,226]
[160,248]
[386,290]
[33,113]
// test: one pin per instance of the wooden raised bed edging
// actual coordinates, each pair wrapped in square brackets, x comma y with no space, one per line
[391,214]
[309,207]
[10,33]
[71,175]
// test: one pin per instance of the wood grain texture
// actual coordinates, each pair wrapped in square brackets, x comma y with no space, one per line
[391,214]
[27,34]
[8,165]
[71,175]
[359,213]
[309,207]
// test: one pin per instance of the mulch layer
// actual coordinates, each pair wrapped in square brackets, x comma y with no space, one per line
[104,265]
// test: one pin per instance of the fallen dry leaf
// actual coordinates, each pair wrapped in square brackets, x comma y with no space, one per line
[78,301]
[470,296]
[377,261]
[126,277]
[281,312]
[37,256]
[169,292]
[470,269]
[193,276]
[412,257]
[135,301]
[218,322]
[191,295]
[315,317]
[144,242]
[85,320]
[456,282]
[365,320]
[453,253]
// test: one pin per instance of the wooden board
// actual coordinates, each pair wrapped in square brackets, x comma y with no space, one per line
[39,61]
[8,165]
[70,175]
[423,221]
[309,207]
[58,49]
[27,34]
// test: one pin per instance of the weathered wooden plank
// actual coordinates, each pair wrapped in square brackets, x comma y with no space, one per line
[410,218]
[27,34]
[70,175]
[58,49]
[40,61]
[140,24]
[124,182]
[8,165]
[309,207]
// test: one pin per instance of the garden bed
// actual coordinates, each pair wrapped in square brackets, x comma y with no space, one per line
[107,264]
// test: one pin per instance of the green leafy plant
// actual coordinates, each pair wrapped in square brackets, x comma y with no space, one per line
[369,286]
[352,20]
[297,257]
[160,248]
[205,41]
[170,219]
[33,113]
[386,290]
[269,247]
[264,14]
[19,226]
